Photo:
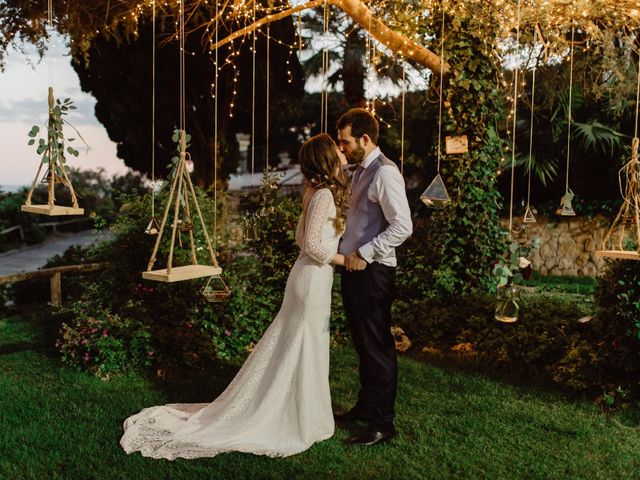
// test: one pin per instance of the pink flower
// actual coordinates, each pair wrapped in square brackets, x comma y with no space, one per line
[151,354]
[84,341]
[227,333]
[86,356]
[105,333]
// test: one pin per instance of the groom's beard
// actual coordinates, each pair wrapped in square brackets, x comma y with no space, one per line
[357,155]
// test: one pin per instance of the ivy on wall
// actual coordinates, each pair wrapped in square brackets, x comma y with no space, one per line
[465,238]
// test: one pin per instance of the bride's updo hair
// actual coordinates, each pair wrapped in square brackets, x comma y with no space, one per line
[320,165]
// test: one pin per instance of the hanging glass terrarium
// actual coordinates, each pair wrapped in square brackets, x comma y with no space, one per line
[436,196]
[529,217]
[507,303]
[215,294]
[153,228]
[251,226]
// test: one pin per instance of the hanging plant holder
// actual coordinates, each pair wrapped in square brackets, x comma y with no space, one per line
[181,188]
[53,155]
[185,225]
[529,217]
[507,303]
[251,226]
[49,177]
[153,228]
[436,196]
[215,295]
[622,241]
[565,209]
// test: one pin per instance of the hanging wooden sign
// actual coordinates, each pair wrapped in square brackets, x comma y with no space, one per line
[456,144]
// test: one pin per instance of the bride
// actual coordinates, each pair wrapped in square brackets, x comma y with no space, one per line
[279,402]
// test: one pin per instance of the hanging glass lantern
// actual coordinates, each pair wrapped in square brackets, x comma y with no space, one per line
[436,196]
[153,228]
[529,217]
[507,303]
[215,295]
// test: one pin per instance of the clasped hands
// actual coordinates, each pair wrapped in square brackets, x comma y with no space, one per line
[354,262]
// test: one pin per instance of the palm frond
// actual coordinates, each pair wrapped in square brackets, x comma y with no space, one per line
[595,136]
[545,170]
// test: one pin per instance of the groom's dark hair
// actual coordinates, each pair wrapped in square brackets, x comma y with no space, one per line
[361,121]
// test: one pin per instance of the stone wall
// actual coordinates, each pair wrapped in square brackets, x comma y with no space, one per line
[568,244]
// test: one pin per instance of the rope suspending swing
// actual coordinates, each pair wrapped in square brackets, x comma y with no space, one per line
[436,196]
[181,194]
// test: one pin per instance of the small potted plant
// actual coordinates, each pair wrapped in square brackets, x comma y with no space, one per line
[510,271]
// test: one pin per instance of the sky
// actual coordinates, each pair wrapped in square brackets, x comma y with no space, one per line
[23,103]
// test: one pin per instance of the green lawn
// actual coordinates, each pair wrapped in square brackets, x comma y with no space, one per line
[569,284]
[60,423]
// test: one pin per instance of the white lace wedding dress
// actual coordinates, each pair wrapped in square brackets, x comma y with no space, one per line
[279,403]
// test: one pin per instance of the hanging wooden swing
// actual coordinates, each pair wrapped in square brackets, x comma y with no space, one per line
[181,182]
[621,242]
[56,173]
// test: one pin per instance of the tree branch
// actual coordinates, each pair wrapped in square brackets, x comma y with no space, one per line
[358,11]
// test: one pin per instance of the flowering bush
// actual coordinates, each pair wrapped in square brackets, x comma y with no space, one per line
[103,343]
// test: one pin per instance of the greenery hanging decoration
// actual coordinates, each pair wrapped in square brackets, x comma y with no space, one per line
[53,149]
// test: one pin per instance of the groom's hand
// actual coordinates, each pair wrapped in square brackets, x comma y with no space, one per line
[353,262]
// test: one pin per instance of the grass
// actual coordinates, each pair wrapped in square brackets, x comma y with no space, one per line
[58,423]
[568,284]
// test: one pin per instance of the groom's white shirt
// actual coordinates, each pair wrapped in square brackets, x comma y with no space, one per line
[387,189]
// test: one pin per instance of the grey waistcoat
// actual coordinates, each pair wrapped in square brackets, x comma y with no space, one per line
[365,219]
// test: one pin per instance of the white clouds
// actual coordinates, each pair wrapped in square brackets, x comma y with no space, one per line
[23,103]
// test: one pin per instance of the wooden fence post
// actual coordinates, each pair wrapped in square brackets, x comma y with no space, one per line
[56,290]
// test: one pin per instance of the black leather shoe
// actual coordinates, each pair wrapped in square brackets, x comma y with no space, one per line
[372,436]
[352,415]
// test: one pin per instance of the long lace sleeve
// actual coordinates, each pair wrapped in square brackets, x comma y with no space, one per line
[317,217]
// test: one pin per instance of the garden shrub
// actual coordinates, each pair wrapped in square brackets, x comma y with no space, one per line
[618,300]
[547,343]
[104,343]
[183,328]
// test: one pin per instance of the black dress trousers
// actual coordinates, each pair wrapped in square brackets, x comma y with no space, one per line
[367,296]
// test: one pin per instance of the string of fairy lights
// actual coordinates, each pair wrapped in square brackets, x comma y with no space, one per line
[552,19]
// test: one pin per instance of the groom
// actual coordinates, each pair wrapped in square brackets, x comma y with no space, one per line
[378,221]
